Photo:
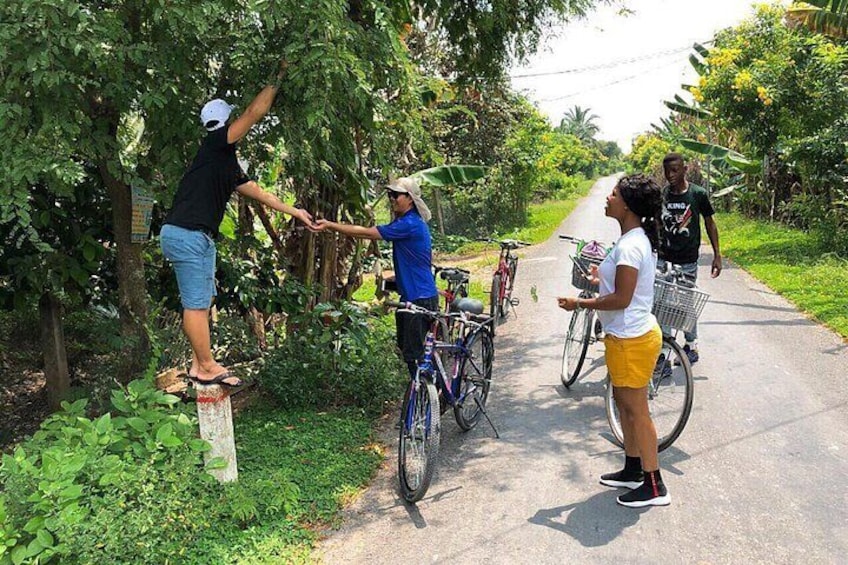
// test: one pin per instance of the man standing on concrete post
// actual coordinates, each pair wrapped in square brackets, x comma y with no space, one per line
[684,204]
[412,256]
[188,235]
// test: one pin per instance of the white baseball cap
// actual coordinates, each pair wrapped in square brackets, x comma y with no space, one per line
[215,114]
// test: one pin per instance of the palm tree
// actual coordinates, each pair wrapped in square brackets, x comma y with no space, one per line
[580,123]
[828,17]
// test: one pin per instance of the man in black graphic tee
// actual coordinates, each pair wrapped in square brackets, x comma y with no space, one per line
[684,204]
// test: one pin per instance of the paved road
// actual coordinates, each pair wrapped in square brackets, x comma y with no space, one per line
[760,474]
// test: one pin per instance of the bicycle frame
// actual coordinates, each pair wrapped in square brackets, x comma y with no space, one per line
[432,368]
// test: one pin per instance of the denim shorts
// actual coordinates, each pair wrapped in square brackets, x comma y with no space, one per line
[192,253]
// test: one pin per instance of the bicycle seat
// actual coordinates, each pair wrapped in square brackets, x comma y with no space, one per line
[469,305]
[454,275]
[512,244]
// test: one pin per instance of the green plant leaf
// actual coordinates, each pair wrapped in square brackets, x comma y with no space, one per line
[688,110]
[45,538]
[137,424]
[34,524]
[164,432]
[172,441]
[199,445]
[19,553]
[216,463]
[71,492]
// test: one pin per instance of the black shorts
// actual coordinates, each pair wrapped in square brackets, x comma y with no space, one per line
[411,331]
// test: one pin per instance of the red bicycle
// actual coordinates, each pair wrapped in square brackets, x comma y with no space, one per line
[503,279]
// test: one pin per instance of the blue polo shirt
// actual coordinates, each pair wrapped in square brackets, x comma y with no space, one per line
[412,255]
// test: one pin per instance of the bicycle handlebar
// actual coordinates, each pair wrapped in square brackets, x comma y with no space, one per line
[508,243]
[674,274]
[452,273]
[464,317]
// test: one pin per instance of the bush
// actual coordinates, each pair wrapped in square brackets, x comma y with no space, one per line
[128,489]
[335,357]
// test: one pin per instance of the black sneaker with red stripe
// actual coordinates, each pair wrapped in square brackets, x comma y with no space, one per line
[652,492]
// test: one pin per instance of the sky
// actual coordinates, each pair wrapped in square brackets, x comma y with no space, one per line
[644,60]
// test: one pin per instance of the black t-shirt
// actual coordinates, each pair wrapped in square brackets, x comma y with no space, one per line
[207,185]
[681,219]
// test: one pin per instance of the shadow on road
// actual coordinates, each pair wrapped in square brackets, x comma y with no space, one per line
[594,522]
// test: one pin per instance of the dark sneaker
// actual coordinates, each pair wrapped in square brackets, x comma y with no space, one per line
[652,492]
[692,354]
[623,479]
[663,367]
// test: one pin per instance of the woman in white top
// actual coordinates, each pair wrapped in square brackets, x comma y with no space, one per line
[633,338]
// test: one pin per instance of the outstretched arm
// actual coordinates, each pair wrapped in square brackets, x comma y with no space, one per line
[712,233]
[254,191]
[256,110]
[349,229]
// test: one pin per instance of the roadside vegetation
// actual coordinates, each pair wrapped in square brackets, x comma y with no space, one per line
[764,130]
[792,262]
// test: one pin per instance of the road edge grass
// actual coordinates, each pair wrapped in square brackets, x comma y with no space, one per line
[791,262]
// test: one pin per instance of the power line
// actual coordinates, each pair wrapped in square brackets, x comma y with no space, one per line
[612,64]
[625,79]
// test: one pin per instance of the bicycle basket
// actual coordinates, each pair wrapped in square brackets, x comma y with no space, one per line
[678,307]
[577,278]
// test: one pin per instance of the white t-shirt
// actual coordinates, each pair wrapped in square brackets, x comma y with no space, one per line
[633,249]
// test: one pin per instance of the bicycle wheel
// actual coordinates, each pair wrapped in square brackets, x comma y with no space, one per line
[509,283]
[495,297]
[475,374]
[670,395]
[576,346]
[418,447]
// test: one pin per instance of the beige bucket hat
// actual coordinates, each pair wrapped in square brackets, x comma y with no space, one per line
[411,187]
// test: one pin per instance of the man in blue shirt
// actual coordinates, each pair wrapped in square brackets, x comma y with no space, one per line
[412,256]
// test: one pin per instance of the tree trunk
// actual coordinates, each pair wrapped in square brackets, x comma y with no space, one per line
[440,216]
[53,346]
[132,286]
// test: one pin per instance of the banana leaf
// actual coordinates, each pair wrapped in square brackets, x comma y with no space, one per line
[731,157]
[450,174]
[828,17]
[688,110]
[742,163]
[698,64]
[702,51]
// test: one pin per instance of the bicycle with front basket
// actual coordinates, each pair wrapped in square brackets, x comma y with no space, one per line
[463,383]
[584,328]
[677,305]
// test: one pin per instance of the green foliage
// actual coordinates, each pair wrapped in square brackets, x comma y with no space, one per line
[480,41]
[335,356]
[647,154]
[55,483]
[580,123]
[536,163]
[793,262]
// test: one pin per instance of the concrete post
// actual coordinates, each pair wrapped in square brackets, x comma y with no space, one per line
[215,415]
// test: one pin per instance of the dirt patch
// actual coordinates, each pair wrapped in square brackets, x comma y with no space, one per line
[23,403]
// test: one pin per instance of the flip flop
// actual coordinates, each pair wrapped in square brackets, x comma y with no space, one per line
[218,380]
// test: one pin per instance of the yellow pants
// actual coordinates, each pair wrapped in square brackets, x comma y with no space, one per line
[631,361]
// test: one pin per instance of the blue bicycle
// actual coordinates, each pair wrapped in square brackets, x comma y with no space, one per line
[454,375]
